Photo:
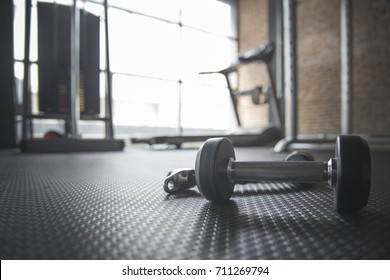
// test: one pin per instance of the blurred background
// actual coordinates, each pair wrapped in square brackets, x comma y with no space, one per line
[158,48]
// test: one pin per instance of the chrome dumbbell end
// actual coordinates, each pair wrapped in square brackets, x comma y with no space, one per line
[179,179]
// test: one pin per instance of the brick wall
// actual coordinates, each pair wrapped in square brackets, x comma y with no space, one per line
[371,72]
[318,61]
[318,65]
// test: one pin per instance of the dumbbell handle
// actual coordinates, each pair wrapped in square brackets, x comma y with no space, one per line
[281,171]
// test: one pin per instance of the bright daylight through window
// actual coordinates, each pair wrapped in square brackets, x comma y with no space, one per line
[157,49]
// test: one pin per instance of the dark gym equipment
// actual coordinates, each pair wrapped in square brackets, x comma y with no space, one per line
[267,135]
[217,171]
[66,145]
[7,109]
[54,60]
[68,79]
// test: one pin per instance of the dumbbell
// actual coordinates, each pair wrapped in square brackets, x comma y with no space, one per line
[217,171]
[180,179]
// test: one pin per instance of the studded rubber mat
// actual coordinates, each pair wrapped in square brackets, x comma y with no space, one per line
[112,206]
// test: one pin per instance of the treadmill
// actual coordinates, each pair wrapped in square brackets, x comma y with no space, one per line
[242,136]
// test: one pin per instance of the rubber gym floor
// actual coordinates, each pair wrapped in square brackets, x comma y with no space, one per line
[112,205]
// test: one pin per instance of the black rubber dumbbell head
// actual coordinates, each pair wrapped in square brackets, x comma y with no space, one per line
[210,169]
[352,189]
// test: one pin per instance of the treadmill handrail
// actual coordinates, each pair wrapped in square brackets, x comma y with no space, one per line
[262,53]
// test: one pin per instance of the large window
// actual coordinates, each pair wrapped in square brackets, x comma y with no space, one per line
[157,49]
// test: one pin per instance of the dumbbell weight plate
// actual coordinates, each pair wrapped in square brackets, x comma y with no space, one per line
[210,169]
[353,174]
[299,156]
